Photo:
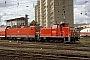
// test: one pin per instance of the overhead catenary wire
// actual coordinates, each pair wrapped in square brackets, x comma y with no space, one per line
[5,3]
[85,9]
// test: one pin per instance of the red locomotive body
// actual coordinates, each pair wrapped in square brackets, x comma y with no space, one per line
[27,33]
[58,33]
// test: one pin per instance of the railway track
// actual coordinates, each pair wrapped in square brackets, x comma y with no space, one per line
[22,55]
[21,50]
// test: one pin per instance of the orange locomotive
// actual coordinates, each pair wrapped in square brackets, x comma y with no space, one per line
[26,33]
[57,33]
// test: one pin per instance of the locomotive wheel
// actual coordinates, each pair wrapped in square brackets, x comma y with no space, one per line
[42,39]
[73,41]
[14,39]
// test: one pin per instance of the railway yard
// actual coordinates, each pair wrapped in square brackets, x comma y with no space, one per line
[24,50]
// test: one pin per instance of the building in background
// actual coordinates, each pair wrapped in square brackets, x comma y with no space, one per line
[18,22]
[49,11]
[83,25]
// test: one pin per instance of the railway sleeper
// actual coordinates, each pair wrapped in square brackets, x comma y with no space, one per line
[80,56]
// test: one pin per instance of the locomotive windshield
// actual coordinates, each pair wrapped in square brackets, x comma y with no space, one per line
[54,26]
[38,28]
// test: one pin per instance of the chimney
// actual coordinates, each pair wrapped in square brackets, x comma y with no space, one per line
[26,20]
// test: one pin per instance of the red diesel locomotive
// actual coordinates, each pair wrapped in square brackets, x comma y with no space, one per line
[57,33]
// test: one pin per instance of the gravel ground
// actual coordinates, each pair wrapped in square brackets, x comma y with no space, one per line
[42,51]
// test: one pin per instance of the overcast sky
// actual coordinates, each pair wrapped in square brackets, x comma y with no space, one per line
[16,8]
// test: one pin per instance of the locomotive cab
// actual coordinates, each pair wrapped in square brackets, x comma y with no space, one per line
[61,25]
